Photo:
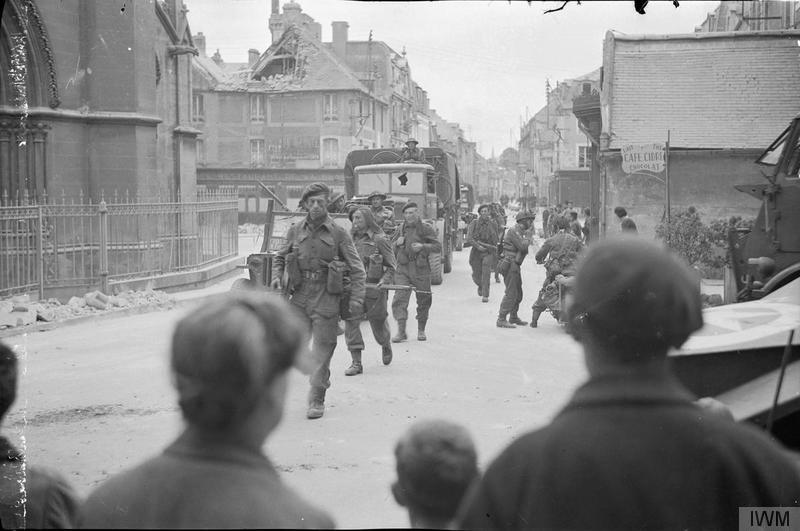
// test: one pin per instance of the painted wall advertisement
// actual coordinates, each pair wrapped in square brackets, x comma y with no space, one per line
[647,157]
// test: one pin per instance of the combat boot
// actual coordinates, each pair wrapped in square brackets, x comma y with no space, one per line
[387,354]
[514,319]
[502,323]
[421,331]
[535,318]
[401,332]
[316,403]
[355,367]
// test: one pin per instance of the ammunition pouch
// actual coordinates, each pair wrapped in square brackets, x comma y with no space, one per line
[295,275]
[375,267]
[336,273]
[503,266]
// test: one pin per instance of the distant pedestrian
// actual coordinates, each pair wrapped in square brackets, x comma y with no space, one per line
[545,218]
[626,223]
[436,462]
[589,225]
[31,496]
[515,248]
[482,236]
[379,262]
[412,243]
[315,256]
[631,450]
[575,225]
[229,363]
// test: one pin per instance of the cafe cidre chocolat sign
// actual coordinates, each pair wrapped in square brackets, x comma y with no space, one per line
[643,157]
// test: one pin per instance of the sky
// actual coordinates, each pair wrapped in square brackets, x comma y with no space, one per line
[484,63]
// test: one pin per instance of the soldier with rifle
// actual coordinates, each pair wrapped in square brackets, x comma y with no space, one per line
[412,243]
[482,236]
[379,262]
[515,248]
[319,257]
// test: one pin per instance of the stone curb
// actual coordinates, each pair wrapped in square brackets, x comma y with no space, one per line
[121,312]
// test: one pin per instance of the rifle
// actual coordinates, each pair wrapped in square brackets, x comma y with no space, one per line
[396,287]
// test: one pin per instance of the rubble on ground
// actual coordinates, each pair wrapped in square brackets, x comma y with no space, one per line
[22,311]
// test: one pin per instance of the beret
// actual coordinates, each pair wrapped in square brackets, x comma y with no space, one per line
[315,189]
[632,292]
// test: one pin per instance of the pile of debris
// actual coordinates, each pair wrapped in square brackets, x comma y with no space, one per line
[22,311]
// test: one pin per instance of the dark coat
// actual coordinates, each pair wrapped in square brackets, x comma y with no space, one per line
[627,454]
[33,497]
[193,485]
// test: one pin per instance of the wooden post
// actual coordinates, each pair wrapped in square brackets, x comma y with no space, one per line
[666,184]
[269,223]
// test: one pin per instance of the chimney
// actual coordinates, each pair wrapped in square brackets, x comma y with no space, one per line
[217,58]
[200,43]
[252,56]
[275,7]
[340,38]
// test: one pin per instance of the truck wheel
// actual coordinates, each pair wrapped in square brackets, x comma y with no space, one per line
[447,266]
[435,261]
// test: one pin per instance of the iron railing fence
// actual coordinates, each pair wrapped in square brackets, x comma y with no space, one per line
[77,243]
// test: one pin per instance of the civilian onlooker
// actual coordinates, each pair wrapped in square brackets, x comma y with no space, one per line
[436,463]
[574,225]
[589,223]
[545,217]
[626,223]
[631,450]
[229,364]
[31,497]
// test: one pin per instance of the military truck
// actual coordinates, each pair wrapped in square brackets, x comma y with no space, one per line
[434,186]
[768,256]
[747,355]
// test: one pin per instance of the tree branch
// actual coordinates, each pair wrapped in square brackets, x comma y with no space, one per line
[560,8]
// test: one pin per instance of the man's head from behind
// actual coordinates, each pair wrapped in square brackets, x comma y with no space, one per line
[230,358]
[620,212]
[436,462]
[8,379]
[632,302]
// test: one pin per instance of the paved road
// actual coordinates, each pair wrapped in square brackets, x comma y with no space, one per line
[96,397]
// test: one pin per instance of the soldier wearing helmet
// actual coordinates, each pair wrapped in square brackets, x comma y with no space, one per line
[558,254]
[411,153]
[379,212]
[515,248]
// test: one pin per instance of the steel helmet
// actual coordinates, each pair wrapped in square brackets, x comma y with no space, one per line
[526,214]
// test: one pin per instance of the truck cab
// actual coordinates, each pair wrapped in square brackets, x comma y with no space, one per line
[767,257]
[403,182]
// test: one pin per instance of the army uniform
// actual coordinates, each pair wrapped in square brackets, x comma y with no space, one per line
[379,262]
[412,153]
[313,249]
[483,234]
[561,252]
[413,269]
[515,249]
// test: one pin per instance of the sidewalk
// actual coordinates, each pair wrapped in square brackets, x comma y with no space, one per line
[248,243]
